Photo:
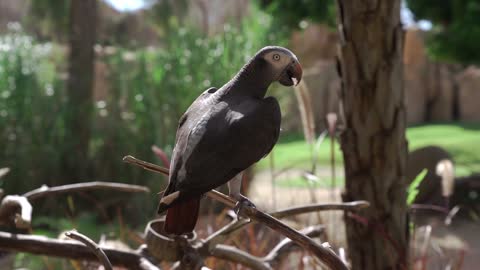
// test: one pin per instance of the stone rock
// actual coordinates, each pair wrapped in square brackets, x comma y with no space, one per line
[440,92]
[415,62]
[314,43]
[469,94]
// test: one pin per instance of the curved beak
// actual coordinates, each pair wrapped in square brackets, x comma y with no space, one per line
[292,75]
[295,72]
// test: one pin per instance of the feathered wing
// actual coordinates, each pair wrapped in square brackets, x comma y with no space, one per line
[233,144]
[235,140]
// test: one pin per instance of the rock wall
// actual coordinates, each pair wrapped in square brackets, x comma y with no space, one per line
[434,91]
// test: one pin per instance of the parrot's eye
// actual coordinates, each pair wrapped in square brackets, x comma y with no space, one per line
[276,57]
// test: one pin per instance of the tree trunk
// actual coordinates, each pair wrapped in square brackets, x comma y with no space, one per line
[80,87]
[373,142]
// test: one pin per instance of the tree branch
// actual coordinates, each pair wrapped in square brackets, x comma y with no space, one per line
[96,185]
[348,206]
[102,257]
[285,246]
[233,254]
[66,249]
[326,255]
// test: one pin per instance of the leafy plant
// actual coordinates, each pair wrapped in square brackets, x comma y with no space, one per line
[412,190]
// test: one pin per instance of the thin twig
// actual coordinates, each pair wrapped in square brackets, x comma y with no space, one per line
[146,165]
[325,255]
[96,185]
[285,246]
[348,206]
[234,254]
[66,249]
[102,257]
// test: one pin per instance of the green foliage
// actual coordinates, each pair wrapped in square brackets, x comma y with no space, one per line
[412,190]
[148,90]
[456,32]
[30,110]
[49,17]
[292,12]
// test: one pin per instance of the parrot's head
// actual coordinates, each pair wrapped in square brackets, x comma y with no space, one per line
[283,64]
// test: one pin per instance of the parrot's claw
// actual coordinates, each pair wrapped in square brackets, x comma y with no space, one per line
[242,202]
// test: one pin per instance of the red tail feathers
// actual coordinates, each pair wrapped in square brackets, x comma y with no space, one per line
[182,217]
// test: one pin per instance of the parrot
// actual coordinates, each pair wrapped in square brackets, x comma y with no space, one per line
[223,132]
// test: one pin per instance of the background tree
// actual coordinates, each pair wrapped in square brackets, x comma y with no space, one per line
[456,28]
[77,20]
[373,141]
[83,17]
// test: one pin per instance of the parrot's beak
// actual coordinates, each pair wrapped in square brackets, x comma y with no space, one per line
[296,72]
[292,75]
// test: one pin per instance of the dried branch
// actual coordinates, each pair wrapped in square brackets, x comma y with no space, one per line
[147,265]
[66,249]
[10,208]
[146,165]
[234,254]
[349,206]
[47,191]
[286,245]
[221,234]
[102,257]
[326,255]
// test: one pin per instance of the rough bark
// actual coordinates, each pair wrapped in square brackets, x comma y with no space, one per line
[82,37]
[373,142]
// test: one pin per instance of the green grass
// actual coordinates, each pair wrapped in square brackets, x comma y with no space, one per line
[301,182]
[462,141]
[292,151]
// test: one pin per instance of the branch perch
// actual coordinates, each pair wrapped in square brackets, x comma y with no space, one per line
[326,255]
[45,190]
[102,257]
[66,249]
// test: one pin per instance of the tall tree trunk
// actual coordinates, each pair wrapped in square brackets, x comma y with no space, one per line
[373,142]
[83,17]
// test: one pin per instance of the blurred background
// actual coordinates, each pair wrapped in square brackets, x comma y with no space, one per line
[84,83]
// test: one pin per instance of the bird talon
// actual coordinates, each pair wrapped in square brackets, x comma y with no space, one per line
[241,204]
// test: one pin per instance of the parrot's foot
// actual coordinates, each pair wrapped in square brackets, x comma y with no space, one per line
[242,202]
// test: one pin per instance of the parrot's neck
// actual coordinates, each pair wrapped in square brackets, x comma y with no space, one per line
[252,80]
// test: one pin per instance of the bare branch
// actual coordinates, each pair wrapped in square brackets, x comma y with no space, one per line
[234,254]
[326,255]
[221,234]
[286,245]
[146,165]
[349,206]
[10,207]
[66,249]
[102,257]
[147,265]
[97,185]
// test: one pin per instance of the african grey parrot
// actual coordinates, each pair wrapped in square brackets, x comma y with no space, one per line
[224,132]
